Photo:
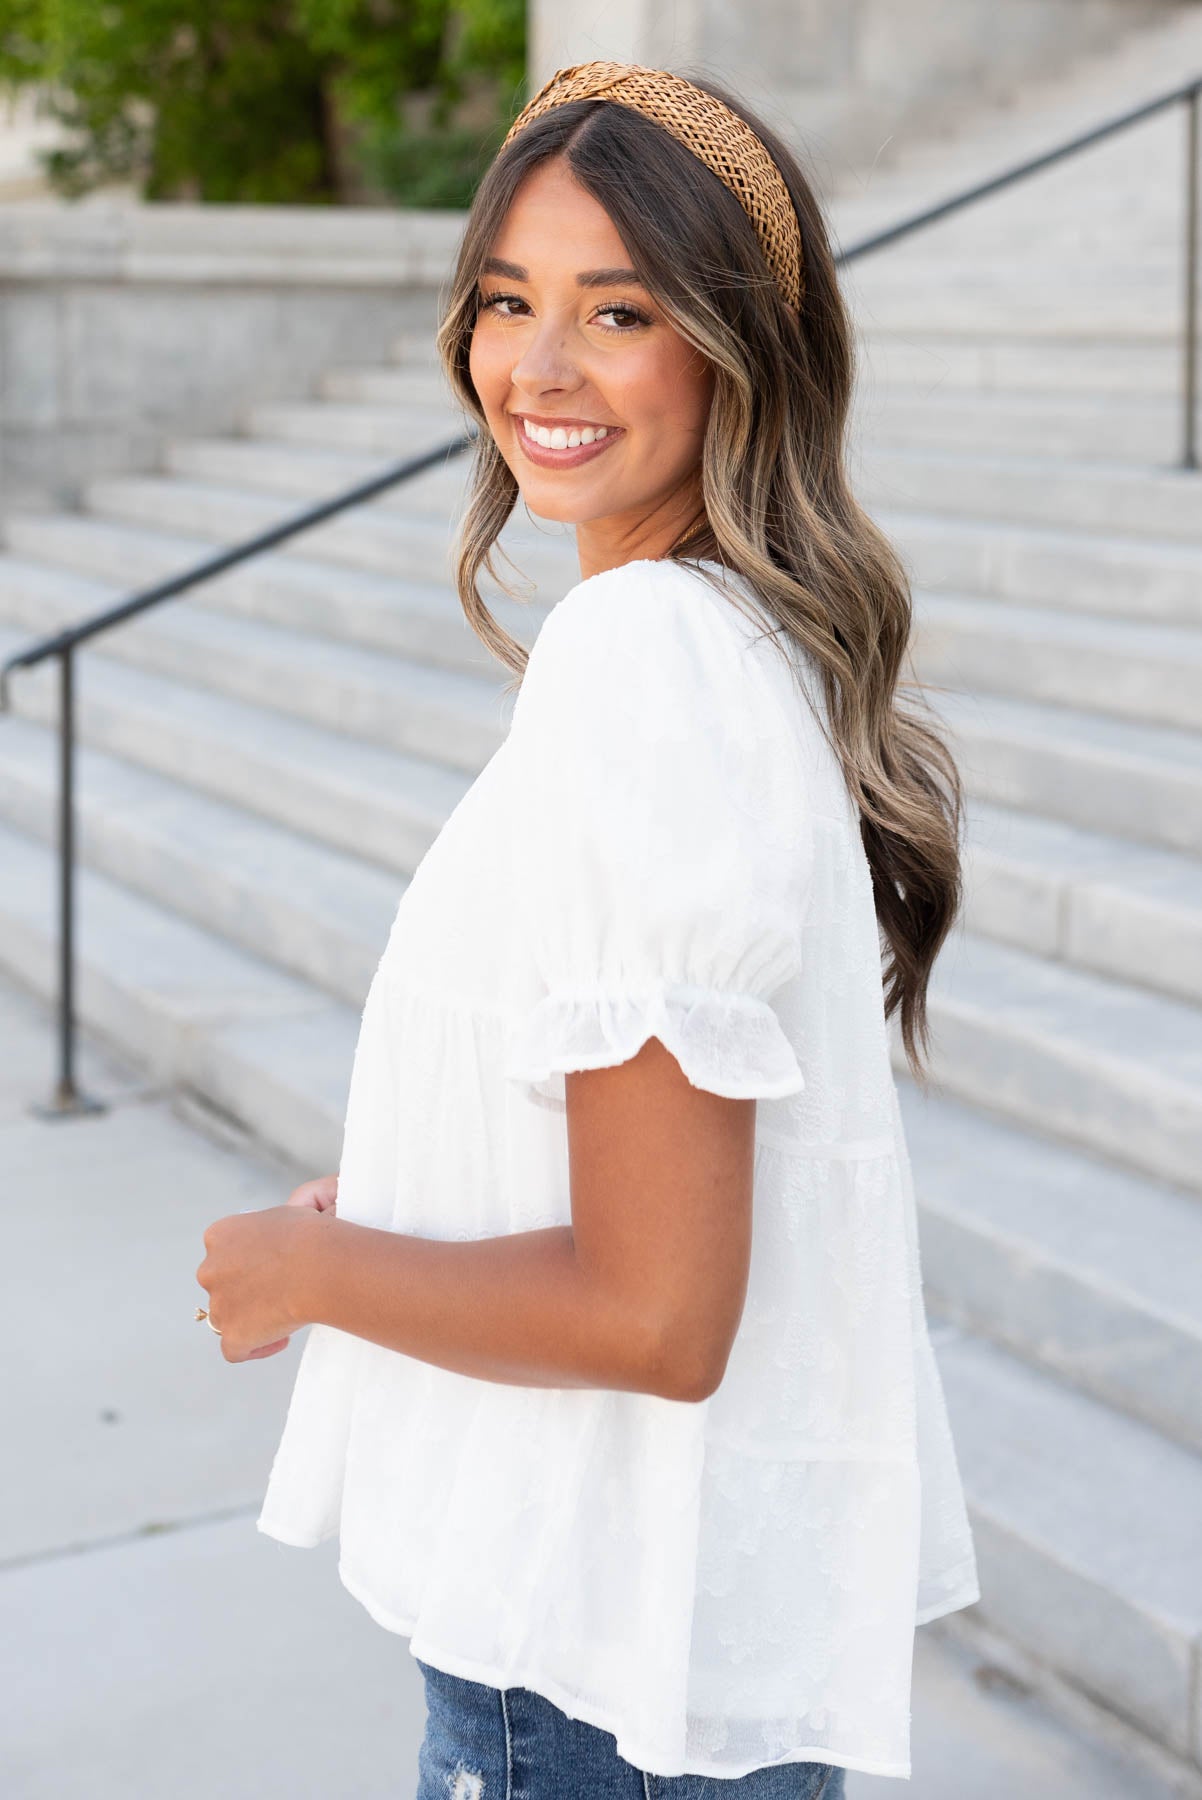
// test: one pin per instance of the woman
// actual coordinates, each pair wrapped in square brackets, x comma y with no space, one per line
[657,1498]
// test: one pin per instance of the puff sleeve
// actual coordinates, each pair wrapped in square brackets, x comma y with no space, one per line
[661,846]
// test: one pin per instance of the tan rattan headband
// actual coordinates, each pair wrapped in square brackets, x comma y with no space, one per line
[716,136]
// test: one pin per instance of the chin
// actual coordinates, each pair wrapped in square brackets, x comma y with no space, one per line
[560,514]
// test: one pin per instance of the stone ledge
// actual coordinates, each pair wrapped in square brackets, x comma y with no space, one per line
[297,246]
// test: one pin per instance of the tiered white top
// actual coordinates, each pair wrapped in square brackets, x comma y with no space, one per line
[663,845]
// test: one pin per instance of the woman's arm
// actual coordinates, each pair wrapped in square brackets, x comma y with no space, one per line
[643,1291]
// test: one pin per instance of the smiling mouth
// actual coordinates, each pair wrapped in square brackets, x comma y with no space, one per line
[568,436]
[563,446]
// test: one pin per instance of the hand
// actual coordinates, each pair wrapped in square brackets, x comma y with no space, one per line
[251,1272]
[321,1194]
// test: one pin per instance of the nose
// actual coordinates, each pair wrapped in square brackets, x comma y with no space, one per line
[545,364]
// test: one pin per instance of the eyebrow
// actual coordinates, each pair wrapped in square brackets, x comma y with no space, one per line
[588,278]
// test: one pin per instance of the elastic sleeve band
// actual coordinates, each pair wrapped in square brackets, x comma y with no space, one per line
[728,1043]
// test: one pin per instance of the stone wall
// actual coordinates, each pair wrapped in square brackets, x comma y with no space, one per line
[122,322]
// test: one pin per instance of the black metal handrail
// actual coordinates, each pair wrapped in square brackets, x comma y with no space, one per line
[63,644]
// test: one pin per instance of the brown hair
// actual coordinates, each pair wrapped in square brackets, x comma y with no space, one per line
[778,503]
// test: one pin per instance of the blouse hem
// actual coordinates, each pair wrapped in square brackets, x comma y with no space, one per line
[730,1044]
[467,1670]
[966,1594]
[298,1540]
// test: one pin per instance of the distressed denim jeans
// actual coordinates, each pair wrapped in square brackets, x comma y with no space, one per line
[487,1743]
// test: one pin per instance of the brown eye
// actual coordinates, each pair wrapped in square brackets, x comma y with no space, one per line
[637,319]
[629,316]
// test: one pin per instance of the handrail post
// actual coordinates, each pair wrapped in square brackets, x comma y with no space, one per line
[67,1100]
[1193,104]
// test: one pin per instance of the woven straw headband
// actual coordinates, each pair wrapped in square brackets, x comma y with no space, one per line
[716,136]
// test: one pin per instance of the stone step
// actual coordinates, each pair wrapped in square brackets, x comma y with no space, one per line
[414,350]
[1085,1524]
[1087,1059]
[1114,427]
[403,384]
[1125,235]
[310,471]
[1062,263]
[1065,302]
[1077,896]
[1080,1268]
[1094,572]
[337,790]
[1108,497]
[1128,780]
[305,907]
[420,620]
[402,429]
[1146,672]
[437,714]
[974,363]
[1112,497]
[375,537]
[264,1047]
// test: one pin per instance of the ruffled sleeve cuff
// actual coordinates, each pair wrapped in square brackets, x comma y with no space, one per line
[727,1043]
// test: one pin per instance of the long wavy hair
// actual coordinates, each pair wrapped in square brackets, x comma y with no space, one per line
[778,507]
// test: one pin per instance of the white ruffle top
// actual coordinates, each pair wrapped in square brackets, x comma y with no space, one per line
[663,845]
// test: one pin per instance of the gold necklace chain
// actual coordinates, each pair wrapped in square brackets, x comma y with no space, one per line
[694,530]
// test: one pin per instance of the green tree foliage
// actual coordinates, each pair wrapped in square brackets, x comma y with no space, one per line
[284,101]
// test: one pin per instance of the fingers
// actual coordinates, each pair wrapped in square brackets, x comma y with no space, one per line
[320,1194]
[232,1355]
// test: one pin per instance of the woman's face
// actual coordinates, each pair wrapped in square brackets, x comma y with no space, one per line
[569,343]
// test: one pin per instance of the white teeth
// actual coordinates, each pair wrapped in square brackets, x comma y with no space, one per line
[558,437]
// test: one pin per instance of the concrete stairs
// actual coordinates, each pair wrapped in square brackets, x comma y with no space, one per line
[263,763]
[1133,68]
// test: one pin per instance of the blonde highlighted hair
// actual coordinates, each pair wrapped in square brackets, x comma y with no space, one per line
[779,510]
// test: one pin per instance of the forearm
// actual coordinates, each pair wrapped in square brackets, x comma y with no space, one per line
[518,1309]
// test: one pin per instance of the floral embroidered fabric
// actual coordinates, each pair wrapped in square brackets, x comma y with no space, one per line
[663,845]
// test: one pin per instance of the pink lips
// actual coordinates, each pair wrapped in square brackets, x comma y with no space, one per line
[567,458]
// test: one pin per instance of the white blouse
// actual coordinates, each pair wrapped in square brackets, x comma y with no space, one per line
[663,845]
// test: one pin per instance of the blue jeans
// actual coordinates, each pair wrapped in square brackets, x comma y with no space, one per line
[487,1743]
